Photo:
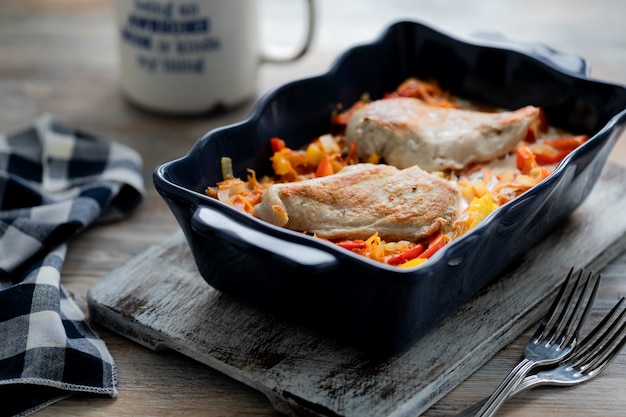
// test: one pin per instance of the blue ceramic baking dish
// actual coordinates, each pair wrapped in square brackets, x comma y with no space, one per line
[371,306]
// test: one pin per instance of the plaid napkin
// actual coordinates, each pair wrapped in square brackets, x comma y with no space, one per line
[54,182]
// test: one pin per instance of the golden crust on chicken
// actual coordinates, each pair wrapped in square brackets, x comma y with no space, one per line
[363,199]
[406,131]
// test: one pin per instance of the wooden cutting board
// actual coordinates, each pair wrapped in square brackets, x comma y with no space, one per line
[159,300]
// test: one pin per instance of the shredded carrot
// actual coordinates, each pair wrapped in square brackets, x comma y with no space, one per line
[374,248]
[427,91]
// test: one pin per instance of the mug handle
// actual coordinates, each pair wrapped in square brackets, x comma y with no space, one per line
[302,49]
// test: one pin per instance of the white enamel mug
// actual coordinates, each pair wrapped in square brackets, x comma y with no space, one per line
[193,56]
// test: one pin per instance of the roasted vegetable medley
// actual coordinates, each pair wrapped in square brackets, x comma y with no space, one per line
[511,151]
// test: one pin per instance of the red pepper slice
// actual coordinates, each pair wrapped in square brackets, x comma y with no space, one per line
[552,151]
[434,245]
[352,244]
[525,159]
[567,143]
[545,159]
[277,144]
[403,257]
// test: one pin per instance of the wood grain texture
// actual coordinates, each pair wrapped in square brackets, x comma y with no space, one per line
[159,300]
[59,56]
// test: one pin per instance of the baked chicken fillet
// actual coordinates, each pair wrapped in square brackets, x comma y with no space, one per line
[407,131]
[360,200]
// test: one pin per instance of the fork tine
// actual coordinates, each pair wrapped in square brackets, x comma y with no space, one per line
[556,320]
[612,354]
[549,316]
[571,332]
[590,343]
[559,324]
[607,351]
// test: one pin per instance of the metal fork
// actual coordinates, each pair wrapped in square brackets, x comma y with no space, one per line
[590,358]
[555,338]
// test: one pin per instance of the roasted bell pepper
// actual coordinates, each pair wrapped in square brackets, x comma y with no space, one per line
[525,159]
[408,255]
[546,154]
[352,244]
[552,151]
[324,168]
[419,253]
[567,143]
[434,245]
[277,144]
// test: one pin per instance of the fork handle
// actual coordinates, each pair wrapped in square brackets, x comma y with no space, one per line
[526,384]
[512,380]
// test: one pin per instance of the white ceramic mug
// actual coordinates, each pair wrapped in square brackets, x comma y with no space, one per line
[193,56]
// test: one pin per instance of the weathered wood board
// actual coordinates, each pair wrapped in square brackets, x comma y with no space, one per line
[159,300]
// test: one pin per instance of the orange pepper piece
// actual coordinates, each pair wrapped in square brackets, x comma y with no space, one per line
[325,168]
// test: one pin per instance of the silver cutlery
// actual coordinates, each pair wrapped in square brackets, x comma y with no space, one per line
[594,353]
[555,338]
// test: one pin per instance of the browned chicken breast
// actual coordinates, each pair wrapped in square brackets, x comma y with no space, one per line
[363,199]
[406,132]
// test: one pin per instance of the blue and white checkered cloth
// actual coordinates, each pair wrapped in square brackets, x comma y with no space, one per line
[54,182]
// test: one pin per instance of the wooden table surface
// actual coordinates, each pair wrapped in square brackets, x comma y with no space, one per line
[59,56]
